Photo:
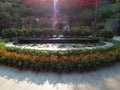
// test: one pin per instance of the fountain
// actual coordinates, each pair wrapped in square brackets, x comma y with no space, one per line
[59,38]
[54,14]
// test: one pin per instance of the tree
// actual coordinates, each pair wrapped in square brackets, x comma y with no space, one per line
[118,1]
[9,17]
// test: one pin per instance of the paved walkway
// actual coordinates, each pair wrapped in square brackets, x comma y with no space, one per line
[117,38]
[103,79]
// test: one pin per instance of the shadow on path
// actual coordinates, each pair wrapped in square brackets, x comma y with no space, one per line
[103,79]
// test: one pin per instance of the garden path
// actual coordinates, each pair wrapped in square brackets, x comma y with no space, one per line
[103,79]
[117,38]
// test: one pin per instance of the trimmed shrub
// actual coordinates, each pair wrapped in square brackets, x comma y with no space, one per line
[12,32]
[107,34]
[77,31]
[37,32]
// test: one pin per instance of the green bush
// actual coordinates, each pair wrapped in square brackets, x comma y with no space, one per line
[37,32]
[47,31]
[70,61]
[107,34]
[9,33]
[2,43]
[77,31]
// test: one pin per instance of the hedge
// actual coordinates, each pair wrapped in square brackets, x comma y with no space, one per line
[77,31]
[107,34]
[31,32]
[60,61]
[38,32]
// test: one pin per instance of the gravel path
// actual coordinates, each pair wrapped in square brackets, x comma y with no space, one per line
[103,79]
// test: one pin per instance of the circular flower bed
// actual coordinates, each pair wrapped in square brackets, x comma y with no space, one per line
[59,61]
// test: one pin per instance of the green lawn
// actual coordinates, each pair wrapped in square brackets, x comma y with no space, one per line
[2,42]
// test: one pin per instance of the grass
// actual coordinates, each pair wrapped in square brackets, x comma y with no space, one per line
[2,43]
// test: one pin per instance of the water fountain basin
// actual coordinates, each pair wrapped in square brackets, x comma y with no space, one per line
[45,40]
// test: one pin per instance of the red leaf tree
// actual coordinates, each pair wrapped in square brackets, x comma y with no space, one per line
[79,3]
[37,2]
[63,3]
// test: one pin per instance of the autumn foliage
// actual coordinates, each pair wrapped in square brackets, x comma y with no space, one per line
[60,62]
[79,3]
[63,3]
[37,2]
